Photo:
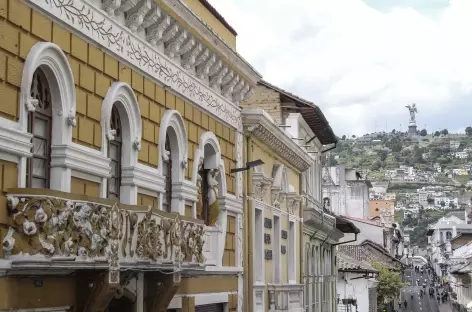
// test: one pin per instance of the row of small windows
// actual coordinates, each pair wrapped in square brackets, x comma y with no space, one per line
[39,165]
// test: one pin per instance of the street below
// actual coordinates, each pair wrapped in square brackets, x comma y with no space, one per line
[412,294]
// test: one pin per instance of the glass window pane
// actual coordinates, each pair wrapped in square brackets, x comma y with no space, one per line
[113,151]
[112,185]
[116,169]
[38,183]
[39,167]
[39,147]
[113,168]
[40,127]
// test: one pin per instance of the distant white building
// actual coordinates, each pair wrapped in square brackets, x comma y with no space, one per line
[437,167]
[454,145]
[347,191]
[447,201]
[461,155]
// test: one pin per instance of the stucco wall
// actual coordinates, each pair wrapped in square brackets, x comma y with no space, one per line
[347,287]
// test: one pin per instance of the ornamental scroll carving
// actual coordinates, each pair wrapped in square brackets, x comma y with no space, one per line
[261,185]
[73,229]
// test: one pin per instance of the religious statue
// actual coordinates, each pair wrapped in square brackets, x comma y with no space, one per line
[413,111]
[208,205]
[213,202]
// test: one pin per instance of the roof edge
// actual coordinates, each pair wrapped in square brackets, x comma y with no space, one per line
[327,128]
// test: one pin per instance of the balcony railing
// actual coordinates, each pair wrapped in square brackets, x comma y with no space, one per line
[68,231]
[285,297]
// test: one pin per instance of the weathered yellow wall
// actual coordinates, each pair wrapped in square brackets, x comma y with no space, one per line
[21,293]
[212,21]
[270,159]
[94,71]
[146,200]
[229,255]
[85,187]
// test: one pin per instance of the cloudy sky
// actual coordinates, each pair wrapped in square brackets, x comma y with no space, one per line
[362,61]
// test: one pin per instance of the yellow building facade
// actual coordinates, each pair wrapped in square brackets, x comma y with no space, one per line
[119,125]
[285,221]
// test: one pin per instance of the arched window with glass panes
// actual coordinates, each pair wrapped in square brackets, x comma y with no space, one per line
[40,126]
[114,153]
[168,177]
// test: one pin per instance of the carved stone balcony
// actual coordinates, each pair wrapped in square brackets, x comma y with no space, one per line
[317,218]
[285,297]
[54,230]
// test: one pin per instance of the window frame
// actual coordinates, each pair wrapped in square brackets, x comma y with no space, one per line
[115,120]
[44,114]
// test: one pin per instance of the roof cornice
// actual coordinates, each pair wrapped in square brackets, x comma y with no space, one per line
[261,126]
[194,21]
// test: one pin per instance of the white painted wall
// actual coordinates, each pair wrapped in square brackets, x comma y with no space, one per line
[368,231]
[355,289]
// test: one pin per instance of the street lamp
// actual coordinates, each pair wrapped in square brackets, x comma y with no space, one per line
[249,165]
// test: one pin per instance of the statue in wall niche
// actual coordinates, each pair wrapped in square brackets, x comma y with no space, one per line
[213,202]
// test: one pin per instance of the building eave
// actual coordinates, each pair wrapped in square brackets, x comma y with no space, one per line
[261,126]
[312,114]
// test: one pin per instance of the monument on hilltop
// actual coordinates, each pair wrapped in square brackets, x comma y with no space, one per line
[412,124]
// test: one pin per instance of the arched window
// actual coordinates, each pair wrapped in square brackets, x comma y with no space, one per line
[441,237]
[448,235]
[114,153]
[168,177]
[40,125]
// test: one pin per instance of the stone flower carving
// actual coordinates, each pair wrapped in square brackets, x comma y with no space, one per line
[137,144]
[31,104]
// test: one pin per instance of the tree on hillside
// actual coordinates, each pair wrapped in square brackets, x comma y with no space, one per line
[390,284]
[393,131]
[430,200]
[468,130]
[444,132]
[383,155]
[451,205]
[353,136]
[344,137]
[437,133]
[423,132]
[442,204]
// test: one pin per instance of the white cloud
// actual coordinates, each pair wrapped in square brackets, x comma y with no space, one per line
[360,65]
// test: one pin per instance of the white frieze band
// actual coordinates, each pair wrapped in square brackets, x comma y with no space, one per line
[95,25]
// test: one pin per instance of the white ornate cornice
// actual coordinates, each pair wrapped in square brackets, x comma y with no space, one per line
[261,126]
[193,20]
[152,41]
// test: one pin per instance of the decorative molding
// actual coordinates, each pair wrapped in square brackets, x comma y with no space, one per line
[284,234]
[268,254]
[178,139]
[267,239]
[144,177]
[55,64]
[13,140]
[267,223]
[261,126]
[196,22]
[81,158]
[239,163]
[151,239]
[260,205]
[94,23]
[260,184]
[122,96]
